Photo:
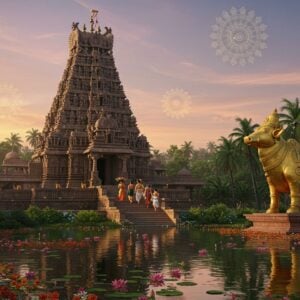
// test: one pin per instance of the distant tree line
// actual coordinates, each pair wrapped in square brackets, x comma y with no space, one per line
[230,170]
[14,143]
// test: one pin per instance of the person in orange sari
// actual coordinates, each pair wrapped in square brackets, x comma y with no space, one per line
[122,190]
[148,195]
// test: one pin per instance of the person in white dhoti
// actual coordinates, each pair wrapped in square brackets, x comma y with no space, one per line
[139,191]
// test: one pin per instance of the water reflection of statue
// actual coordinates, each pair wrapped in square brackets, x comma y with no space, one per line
[294,285]
[285,273]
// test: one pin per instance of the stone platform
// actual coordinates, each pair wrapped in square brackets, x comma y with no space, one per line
[274,223]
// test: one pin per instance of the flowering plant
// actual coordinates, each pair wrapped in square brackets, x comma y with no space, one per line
[119,285]
[176,273]
[157,279]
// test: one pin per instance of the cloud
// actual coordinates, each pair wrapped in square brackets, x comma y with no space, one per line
[190,72]
[83,4]
[49,35]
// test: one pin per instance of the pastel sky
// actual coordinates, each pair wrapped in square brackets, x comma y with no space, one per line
[160,45]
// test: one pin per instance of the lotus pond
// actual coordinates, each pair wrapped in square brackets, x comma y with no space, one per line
[165,263]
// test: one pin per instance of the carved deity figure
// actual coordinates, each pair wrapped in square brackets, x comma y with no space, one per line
[280,161]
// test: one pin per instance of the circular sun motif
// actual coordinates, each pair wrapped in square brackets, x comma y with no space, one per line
[239,36]
[176,103]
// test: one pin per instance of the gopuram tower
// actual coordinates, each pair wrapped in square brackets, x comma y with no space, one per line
[90,135]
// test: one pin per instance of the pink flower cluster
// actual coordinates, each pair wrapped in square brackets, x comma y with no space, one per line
[157,279]
[176,273]
[202,252]
[119,285]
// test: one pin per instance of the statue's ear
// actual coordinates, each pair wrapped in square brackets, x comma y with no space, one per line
[277,132]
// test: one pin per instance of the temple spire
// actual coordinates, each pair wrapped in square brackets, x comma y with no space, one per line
[94,19]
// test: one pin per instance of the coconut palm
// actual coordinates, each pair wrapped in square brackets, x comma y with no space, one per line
[187,149]
[291,118]
[32,137]
[227,159]
[14,141]
[245,128]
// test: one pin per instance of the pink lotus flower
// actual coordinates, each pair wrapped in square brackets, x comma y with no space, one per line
[176,273]
[157,279]
[262,249]
[202,252]
[30,275]
[96,238]
[143,298]
[145,237]
[119,285]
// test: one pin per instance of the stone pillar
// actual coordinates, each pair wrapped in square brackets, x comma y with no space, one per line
[124,159]
[94,180]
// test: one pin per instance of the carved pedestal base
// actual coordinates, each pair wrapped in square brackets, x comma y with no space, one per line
[275,223]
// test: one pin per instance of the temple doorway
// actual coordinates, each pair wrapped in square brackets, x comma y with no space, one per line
[107,167]
[101,167]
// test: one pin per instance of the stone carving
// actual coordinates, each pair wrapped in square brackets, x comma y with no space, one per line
[280,162]
[90,121]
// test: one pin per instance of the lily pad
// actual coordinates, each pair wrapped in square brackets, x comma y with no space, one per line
[138,277]
[169,292]
[214,292]
[170,279]
[96,290]
[186,283]
[72,276]
[121,295]
[101,275]
[135,271]
[60,279]
[132,281]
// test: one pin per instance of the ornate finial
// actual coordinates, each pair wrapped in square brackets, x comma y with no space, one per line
[75,25]
[272,120]
[84,28]
[94,19]
[99,29]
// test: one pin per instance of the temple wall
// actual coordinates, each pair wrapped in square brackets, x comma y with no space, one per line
[61,199]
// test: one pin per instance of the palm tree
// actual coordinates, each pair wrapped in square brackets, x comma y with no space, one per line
[187,149]
[32,137]
[14,141]
[245,128]
[291,118]
[227,159]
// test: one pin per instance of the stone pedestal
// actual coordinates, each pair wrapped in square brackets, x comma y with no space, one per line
[275,223]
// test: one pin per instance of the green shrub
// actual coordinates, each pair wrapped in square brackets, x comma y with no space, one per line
[52,216]
[21,217]
[88,217]
[220,214]
[35,214]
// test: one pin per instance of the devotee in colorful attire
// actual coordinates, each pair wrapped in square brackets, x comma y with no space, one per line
[122,190]
[130,191]
[139,190]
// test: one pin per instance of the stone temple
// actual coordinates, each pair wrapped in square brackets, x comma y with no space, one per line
[90,135]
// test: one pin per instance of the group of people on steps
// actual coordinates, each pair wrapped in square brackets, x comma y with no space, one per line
[135,192]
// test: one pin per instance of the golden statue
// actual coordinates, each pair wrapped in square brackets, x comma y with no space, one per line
[280,160]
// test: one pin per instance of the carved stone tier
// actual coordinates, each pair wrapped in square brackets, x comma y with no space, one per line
[274,223]
[90,135]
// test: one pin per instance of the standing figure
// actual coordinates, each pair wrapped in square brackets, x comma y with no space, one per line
[130,191]
[122,190]
[139,190]
[148,195]
[155,200]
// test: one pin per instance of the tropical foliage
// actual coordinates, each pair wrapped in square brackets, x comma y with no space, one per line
[230,170]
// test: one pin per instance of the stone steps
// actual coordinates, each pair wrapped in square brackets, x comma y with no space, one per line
[140,215]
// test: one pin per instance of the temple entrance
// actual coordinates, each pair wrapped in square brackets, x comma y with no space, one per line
[107,168]
[101,167]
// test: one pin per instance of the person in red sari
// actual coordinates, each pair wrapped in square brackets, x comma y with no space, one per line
[148,195]
[122,190]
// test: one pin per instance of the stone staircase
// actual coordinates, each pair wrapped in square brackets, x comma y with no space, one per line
[136,214]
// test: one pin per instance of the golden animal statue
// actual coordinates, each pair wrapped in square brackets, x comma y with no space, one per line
[280,160]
